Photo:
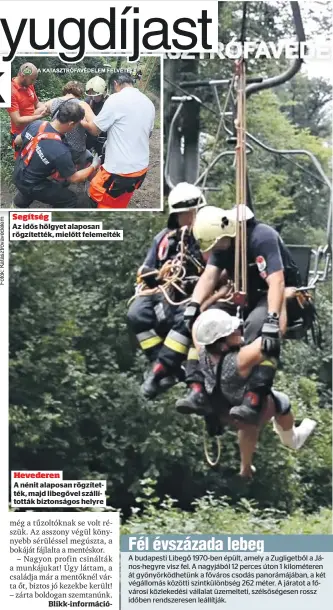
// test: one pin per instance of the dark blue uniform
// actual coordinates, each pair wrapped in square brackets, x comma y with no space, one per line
[92,141]
[266,254]
[159,326]
[33,181]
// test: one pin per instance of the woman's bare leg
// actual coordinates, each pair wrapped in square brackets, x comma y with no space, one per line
[247,439]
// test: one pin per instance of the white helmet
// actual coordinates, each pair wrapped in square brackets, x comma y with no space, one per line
[212,223]
[214,324]
[182,198]
[97,84]
[244,213]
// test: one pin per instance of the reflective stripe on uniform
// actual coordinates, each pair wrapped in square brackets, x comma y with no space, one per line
[177,342]
[148,339]
[192,354]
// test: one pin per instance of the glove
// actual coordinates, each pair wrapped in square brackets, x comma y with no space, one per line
[270,336]
[151,280]
[191,313]
[96,161]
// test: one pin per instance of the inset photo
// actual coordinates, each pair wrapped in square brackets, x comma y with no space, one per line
[84,135]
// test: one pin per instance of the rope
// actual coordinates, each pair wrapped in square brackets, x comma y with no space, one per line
[211,461]
[172,273]
[240,274]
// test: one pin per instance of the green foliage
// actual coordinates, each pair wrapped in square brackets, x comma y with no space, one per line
[211,514]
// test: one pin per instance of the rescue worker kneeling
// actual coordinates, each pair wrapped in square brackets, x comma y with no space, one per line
[229,369]
[159,326]
[44,156]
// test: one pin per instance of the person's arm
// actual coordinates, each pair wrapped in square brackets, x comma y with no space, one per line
[24,120]
[81,175]
[88,113]
[67,170]
[275,295]
[206,284]
[90,127]
[220,294]
[152,124]
[18,141]
[201,292]
[151,256]
[104,120]
[48,105]
[41,108]
[270,267]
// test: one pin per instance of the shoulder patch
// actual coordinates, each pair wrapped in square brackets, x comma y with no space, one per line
[261,264]
[163,248]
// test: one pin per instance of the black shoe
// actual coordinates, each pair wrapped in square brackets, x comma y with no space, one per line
[153,386]
[195,403]
[246,414]
[167,382]
[150,387]
[22,201]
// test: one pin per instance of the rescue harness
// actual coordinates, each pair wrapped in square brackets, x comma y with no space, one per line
[173,274]
[29,149]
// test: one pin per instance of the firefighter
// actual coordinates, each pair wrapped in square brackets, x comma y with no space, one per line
[158,325]
[25,105]
[44,155]
[270,269]
[228,369]
[96,98]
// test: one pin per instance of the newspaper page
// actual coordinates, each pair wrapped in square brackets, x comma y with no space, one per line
[165,302]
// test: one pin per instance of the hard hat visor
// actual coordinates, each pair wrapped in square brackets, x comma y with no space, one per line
[188,204]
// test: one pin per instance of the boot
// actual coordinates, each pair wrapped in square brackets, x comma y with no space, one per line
[21,201]
[151,386]
[195,402]
[167,382]
[249,411]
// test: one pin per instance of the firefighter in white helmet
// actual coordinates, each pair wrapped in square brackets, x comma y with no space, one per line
[159,326]
[96,97]
[269,267]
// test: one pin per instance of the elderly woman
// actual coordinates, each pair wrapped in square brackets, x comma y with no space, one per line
[76,139]
[228,366]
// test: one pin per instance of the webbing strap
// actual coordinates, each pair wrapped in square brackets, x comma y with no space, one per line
[30,148]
